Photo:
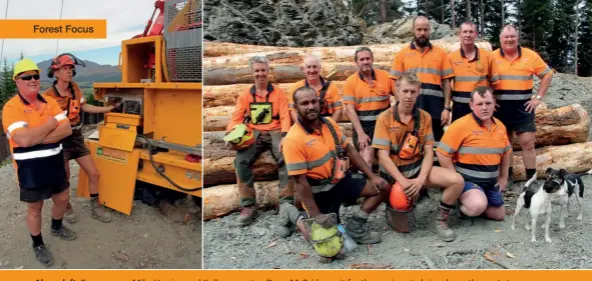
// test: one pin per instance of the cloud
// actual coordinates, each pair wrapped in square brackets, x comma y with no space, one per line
[125,19]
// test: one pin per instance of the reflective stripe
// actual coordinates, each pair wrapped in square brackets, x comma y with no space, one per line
[446,72]
[494,78]
[480,150]
[461,99]
[425,70]
[343,139]
[37,154]
[407,171]
[396,72]
[477,174]
[367,118]
[349,98]
[547,70]
[507,148]
[291,105]
[513,97]
[335,104]
[469,78]
[60,117]
[515,77]
[310,164]
[16,125]
[82,100]
[372,99]
[430,92]
[379,141]
[430,137]
[446,148]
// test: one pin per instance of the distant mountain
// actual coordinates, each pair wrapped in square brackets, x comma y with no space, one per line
[93,72]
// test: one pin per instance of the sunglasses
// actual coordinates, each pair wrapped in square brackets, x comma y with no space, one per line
[29,77]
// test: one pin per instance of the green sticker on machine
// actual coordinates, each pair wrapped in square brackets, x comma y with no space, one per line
[112,154]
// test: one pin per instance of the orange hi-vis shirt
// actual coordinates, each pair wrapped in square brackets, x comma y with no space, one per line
[389,133]
[41,165]
[431,67]
[332,97]
[370,100]
[470,74]
[280,109]
[65,101]
[516,83]
[311,152]
[476,151]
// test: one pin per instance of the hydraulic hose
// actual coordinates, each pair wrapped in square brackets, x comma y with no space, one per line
[162,173]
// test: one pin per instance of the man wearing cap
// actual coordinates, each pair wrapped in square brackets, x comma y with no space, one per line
[35,127]
[72,102]
[263,110]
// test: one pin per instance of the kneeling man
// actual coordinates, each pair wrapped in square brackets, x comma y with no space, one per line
[317,154]
[405,141]
[477,147]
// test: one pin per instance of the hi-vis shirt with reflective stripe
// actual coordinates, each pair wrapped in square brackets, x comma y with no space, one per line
[476,151]
[469,74]
[310,152]
[431,67]
[370,100]
[65,101]
[516,76]
[42,164]
[389,132]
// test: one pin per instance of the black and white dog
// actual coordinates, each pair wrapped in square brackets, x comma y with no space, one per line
[556,190]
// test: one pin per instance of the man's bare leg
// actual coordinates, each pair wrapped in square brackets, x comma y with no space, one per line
[451,184]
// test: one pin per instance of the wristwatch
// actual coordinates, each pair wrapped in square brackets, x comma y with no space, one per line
[538,97]
[448,108]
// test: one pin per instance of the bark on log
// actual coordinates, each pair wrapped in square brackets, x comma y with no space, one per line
[559,126]
[335,71]
[224,199]
[218,49]
[574,158]
[239,55]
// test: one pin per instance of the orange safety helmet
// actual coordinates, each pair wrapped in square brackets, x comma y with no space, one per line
[398,199]
[62,60]
[241,136]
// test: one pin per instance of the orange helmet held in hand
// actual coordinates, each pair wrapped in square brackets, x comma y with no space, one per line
[398,199]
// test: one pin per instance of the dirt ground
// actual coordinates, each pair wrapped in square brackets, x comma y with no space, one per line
[146,239]
[256,246]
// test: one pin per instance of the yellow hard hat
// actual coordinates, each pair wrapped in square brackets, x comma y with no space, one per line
[241,136]
[24,65]
[331,243]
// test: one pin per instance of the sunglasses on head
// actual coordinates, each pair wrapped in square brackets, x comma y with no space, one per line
[29,77]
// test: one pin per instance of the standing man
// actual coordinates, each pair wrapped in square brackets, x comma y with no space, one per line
[472,67]
[71,100]
[329,95]
[516,66]
[477,146]
[411,166]
[264,110]
[366,94]
[35,127]
[433,68]
[313,148]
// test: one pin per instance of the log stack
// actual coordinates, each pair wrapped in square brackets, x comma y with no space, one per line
[561,132]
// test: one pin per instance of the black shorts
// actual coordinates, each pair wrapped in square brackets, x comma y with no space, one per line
[529,127]
[40,194]
[347,191]
[74,146]
[368,127]
[515,117]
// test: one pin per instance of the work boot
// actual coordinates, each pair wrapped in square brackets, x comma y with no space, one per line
[64,233]
[441,224]
[43,255]
[69,216]
[288,216]
[357,229]
[247,215]
[98,211]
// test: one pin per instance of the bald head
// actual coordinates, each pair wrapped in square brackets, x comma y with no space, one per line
[311,59]
[421,31]
[311,66]
[421,20]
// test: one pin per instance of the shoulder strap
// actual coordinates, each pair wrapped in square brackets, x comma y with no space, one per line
[336,139]
[416,122]
[324,90]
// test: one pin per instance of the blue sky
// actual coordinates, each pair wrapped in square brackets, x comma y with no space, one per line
[124,20]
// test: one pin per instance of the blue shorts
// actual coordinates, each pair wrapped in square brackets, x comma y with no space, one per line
[494,196]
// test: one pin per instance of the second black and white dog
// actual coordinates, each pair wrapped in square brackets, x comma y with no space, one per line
[558,187]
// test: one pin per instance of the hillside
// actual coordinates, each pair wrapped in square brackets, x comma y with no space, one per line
[85,76]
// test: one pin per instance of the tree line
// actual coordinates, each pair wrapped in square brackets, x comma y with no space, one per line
[559,30]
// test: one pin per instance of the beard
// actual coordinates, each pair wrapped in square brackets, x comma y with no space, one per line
[422,41]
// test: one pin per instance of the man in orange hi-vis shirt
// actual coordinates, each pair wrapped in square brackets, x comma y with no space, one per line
[316,153]
[516,66]
[264,109]
[35,127]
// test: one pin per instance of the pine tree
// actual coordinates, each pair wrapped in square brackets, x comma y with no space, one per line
[585,39]
[536,21]
[561,47]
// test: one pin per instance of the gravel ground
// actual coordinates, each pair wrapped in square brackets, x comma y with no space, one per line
[256,246]
[146,239]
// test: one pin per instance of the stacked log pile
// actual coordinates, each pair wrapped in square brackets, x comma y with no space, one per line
[561,134]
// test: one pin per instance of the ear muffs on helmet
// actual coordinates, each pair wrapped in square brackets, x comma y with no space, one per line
[64,59]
